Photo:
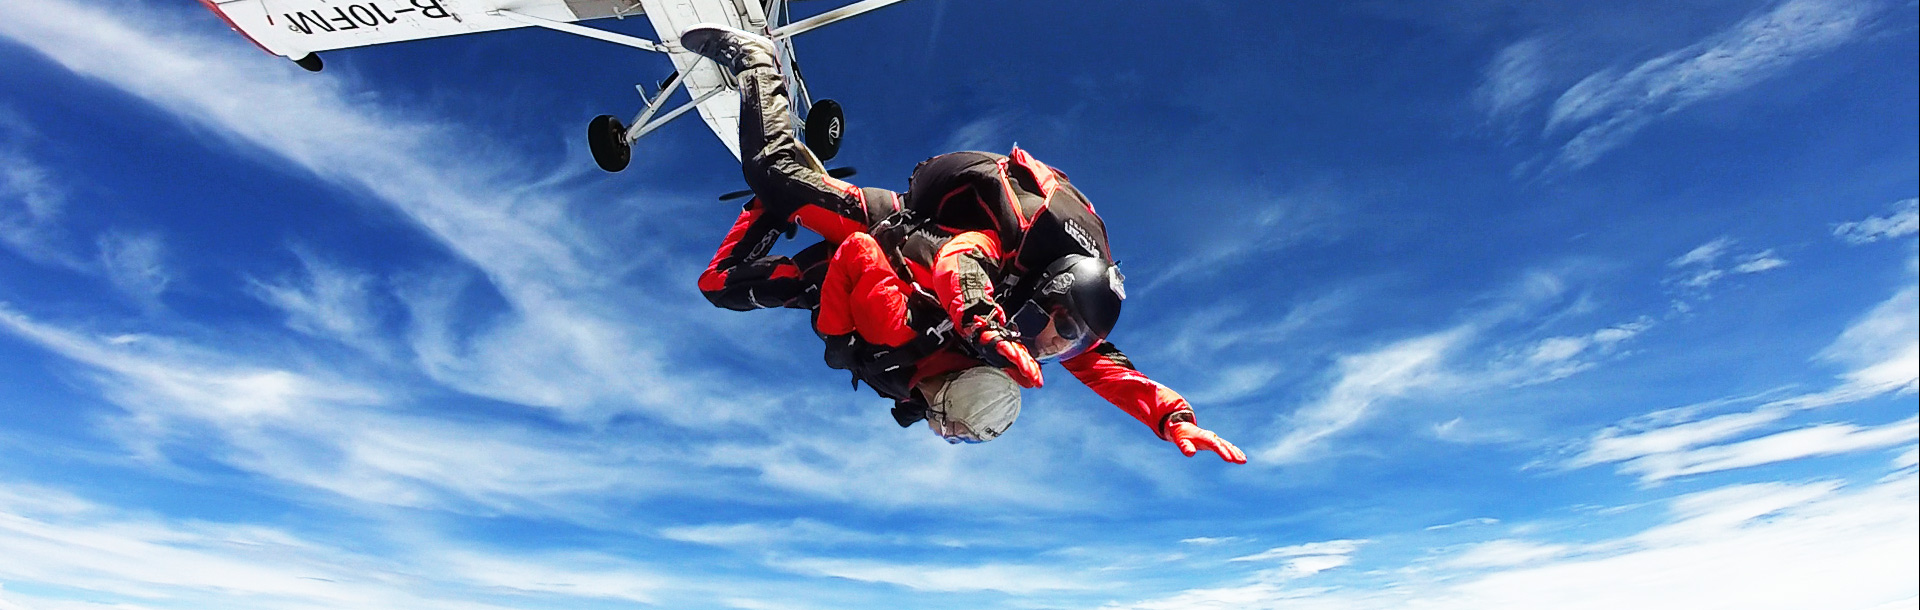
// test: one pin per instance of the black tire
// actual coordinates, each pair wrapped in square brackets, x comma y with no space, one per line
[607,138]
[310,62]
[826,124]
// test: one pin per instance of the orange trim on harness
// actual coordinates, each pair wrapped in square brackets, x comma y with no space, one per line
[1013,197]
[1042,174]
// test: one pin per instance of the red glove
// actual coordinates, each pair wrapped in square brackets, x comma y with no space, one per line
[1020,365]
[1191,439]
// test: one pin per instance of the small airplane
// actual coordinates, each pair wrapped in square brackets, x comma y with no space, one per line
[299,29]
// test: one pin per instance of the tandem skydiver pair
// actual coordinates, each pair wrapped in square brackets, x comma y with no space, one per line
[946,298]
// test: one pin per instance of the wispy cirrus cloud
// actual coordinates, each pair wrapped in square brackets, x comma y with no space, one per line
[1303,560]
[1473,355]
[1364,381]
[1900,221]
[33,210]
[985,133]
[1810,441]
[1768,546]
[772,534]
[130,559]
[1209,540]
[592,362]
[1505,553]
[325,431]
[136,264]
[30,208]
[1516,77]
[362,439]
[1016,579]
[1561,356]
[1881,351]
[1240,234]
[325,300]
[1713,261]
[1604,110]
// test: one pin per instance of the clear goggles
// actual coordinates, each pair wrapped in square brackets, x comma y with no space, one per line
[1052,333]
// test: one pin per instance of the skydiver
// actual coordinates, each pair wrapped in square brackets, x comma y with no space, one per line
[983,233]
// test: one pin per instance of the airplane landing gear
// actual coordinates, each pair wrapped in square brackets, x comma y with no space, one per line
[826,123]
[607,138]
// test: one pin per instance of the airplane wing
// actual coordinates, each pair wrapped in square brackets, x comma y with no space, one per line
[296,28]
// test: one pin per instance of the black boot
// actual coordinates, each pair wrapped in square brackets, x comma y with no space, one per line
[733,49]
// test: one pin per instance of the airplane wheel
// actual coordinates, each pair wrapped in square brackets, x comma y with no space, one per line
[825,125]
[310,62]
[607,138]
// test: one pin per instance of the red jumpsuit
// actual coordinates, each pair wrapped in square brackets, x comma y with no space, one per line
[857,290]
[986,223]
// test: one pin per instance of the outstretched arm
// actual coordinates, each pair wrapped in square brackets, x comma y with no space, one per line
[1110,374]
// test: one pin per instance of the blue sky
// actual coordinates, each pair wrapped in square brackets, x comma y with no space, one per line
[1511,304]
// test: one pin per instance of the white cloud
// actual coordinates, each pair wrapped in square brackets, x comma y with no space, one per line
[761,604]
[1612,445]
[1557,349]
[30,210]
[1769,546]
[59,542]
[135,264]
[327,301]
[1700,267]
[1364,380]
[1329,547]
[1908,458]
[764,534]
[1306,565]
[1608,107]
[984,133]
[1261,595]
[1303,560]
[1237,235]
[325,432]
[868,460]
[1559,357]
[1904,220]
[1825,439]
[1882,350]
[1209,540]
[1883,346]
[1515,77]
[1705,254]
[1442,363]
[1476,521]
[360,439]
[1506,553]
[1016,579]
[1758,262]
[588,362]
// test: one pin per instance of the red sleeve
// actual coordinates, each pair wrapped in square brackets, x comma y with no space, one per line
[959,280]
[1111,375]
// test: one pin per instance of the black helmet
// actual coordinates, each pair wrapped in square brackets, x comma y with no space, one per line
[1075,303]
